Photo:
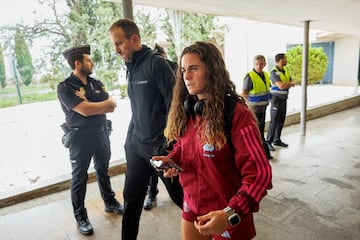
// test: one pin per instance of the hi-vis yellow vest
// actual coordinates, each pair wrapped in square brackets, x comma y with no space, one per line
[259,95]
[284,77]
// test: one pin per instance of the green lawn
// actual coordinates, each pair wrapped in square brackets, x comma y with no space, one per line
[38,93]
[33,93]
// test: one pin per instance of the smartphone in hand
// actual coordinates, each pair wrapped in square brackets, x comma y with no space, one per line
[160,165]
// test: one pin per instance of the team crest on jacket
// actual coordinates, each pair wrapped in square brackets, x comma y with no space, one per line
[208,148]
[226,234]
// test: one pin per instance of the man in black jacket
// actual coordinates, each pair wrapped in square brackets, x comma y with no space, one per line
[150,99]
[153,190]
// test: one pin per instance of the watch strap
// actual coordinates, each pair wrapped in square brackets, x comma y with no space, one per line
[229,211]
[233,218]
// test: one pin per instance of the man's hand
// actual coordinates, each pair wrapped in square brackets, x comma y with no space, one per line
[284,85]
[112,104]
[81,94]
[87,108]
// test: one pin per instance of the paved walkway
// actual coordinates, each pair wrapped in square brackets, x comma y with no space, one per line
[316,195]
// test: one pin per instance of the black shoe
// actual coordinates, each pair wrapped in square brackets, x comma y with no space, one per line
[270,157]
[271,147]
[115,208]
[85,227]
[149,203]
[280,144]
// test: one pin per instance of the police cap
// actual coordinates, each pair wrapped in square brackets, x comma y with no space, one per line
[78,50]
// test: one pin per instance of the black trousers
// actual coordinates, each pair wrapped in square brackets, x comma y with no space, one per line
[260,117]
[152,188]
[86,145]
[138,171]
[278,115]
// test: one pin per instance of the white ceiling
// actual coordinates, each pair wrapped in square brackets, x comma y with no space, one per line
[336,16]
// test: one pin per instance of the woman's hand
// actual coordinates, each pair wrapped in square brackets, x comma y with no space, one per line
[171,172]
[212,223]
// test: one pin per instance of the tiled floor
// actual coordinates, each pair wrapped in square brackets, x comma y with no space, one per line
[316,195]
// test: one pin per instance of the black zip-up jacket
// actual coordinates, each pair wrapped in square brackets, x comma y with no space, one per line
[149,98]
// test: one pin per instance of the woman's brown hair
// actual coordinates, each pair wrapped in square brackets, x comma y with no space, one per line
[218,87]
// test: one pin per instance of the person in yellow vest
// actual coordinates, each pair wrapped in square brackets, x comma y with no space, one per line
[256,90]
[281,83]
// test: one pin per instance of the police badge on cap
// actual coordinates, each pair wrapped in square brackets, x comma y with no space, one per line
[78,50]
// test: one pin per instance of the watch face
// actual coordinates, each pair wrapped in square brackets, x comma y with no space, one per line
[234,220]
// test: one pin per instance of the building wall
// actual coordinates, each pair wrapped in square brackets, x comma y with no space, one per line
[346,61]
[245,39]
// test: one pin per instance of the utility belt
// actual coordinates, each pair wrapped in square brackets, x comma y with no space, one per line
[99,129]
[70,132]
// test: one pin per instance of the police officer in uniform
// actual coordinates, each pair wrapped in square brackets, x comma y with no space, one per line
[281,83]
[256,90]
[85,103]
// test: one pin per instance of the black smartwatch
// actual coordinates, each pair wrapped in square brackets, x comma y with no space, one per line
[233,218]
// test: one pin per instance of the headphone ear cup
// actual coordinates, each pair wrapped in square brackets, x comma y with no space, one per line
[189,106]
[199,107]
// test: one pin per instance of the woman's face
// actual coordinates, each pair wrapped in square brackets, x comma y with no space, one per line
[195,74]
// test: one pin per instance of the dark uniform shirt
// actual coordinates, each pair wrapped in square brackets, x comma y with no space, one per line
[94,91]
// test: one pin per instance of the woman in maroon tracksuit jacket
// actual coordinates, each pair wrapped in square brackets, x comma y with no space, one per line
[223,182]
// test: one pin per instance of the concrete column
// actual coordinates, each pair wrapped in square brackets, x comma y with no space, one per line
[128,9]
[304,78]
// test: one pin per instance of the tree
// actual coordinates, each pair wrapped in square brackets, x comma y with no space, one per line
[2,69]
[87,22]
[147,26]
[23,59]
[103,54]
[317,64]
[90,20]
[184,28]
[53,77]
[200,27]
[79,22]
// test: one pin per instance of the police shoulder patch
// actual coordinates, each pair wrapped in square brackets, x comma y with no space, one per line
[104,89]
